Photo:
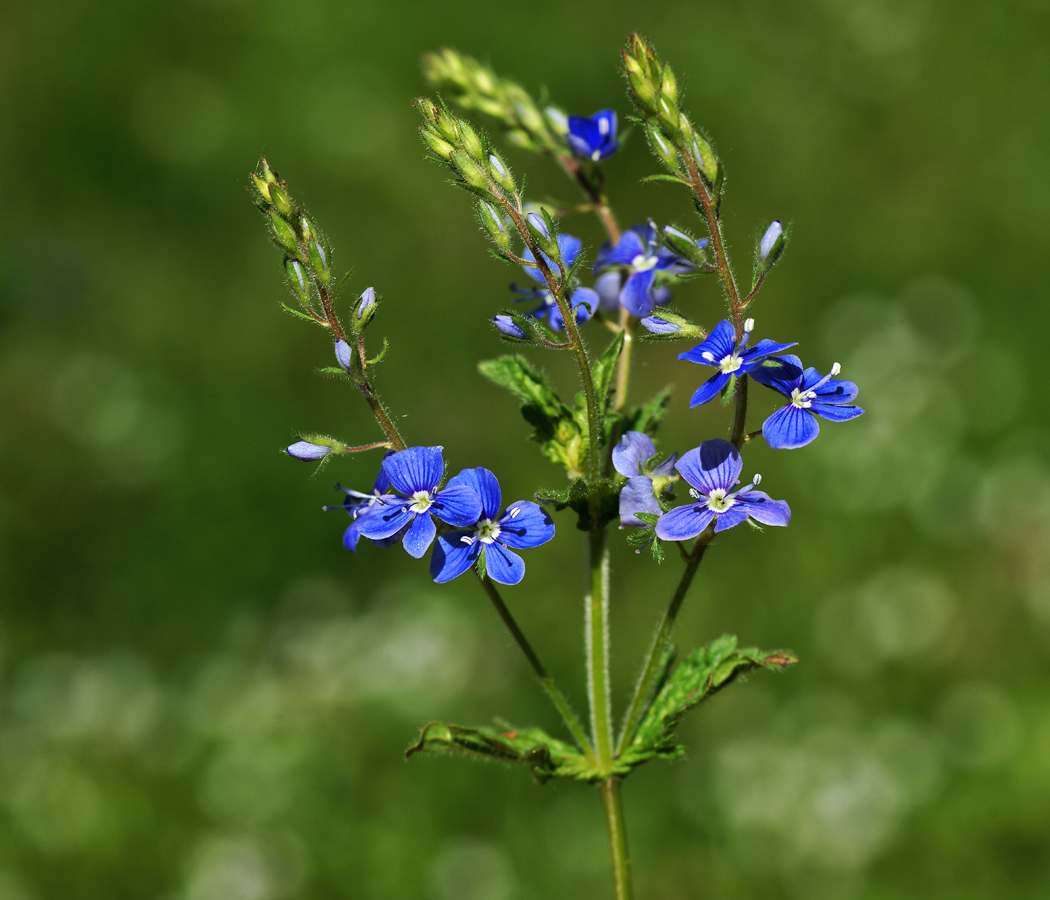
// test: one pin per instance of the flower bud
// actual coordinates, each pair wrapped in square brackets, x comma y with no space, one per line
[668,322]
[307,452]
[557,119]
[262,186]
[268,174]
[280,199]
[662,148]
[306,228]
[319,261]
[643,93]
[506,326]
[539,226]
[501,174]
[493,223]
[436,143]
[344,355]
[469,170]
[668,110]
[298,280]
[705,158]
[283,232]
[669,85]
[774,234]
[684,245]
[470,141]
[366,308]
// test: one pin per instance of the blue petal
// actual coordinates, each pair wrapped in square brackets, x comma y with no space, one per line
[351,537]
[344,355]
[762,508]
[784,375]
[570,248]
[731,517]
[485,485]
[457,504]
[525,525]
[382,484]
[637,496]
[656,325]
[384,519]
[667,466]
[629,246]
[608,286]
[503,565]
[629,456]
[719,343]
[837,412]
[307,452]
[753,356]
[683,522]
[714,465]
[636,296]
[772,235]
[605,120]
[832,391]
[454,553]
[790,427]
[577,144]
[420,535]
[415,469]
[709,389]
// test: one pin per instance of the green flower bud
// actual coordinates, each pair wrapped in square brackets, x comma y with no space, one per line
[319,261]
[298,280]
[268,174]
[262,186]
[469,170]
[283,233]
[280,199]
[643,93]
[365,309]
[499,173]
[437,143]
[493,223]
[668,113]
[662,148]
[705,158]
[471,141]
[669,85]
[541,227]
[307,228]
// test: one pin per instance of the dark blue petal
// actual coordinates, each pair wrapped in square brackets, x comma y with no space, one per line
[709,389]
[637,496]
[835,412]
[384,518]
[629,456]
[503,565]
[485,485]
[784,375]
[457,504]
[506,325]
[415,469]
[714,465]
[454,553]
[351,537]
[636,296]
[623,254]
[570,249]
[719,343]
[525,525]
[420,535]
[753,356]
[605,119]
[382,484]
[790,427]
[683,523]
[731,517]
[762,508]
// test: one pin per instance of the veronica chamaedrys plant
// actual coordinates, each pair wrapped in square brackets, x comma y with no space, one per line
[602,441]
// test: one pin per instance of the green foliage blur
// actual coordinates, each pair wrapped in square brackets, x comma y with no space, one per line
[204,697]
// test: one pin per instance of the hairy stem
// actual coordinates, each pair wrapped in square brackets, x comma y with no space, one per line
[555,695]
[597,635]
[663,635]
[621,860]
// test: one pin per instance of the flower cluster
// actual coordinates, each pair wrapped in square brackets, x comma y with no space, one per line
[408,496]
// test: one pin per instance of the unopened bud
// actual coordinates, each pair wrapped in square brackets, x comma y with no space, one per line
[643,92]
[506,326]
[283,232]
[437,143]
[541,228]
[471,141]
[268,174]
[494,224]
[662,148]
[262,186]
[469,170]
[280,199]
[501,174]
[668,322]
[669,85]
[319,261]
[770,240]
[306,228]
[557,119]
[298,280]
[344,355]
[307,452]
[668,110]
[366,308]
[705,158]
[684,245]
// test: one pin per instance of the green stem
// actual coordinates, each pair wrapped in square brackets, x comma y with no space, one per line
[621,860]
[597,634]
[555,695]
[663,635]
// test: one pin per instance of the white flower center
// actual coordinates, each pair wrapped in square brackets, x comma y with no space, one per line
[421,502]
[802,399]
[488,531]
[643,263]
[718,501]
[729,364]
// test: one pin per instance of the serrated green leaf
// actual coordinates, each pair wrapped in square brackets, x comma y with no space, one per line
[546,757]
[700,675]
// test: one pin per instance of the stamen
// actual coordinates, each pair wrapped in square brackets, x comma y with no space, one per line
[515,511]
[466,539]
[756,481]
[835,369]
[749,325]
[694,493]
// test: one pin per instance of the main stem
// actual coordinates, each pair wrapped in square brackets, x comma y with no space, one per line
[621,860]
[597,627]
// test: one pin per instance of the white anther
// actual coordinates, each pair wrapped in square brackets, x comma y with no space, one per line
[515,511]
[835,369]
[694,493]
[757,480]
[466,539]
[749,325]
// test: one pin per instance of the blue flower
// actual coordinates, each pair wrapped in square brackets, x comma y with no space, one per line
[713,469]
[523,525]
[594,137]
[811,395]
[720,351]
[584,301]
[416,475]
[631,459]
[639,253]
[358,504]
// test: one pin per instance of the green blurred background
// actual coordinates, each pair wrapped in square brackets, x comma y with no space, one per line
[203,696]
